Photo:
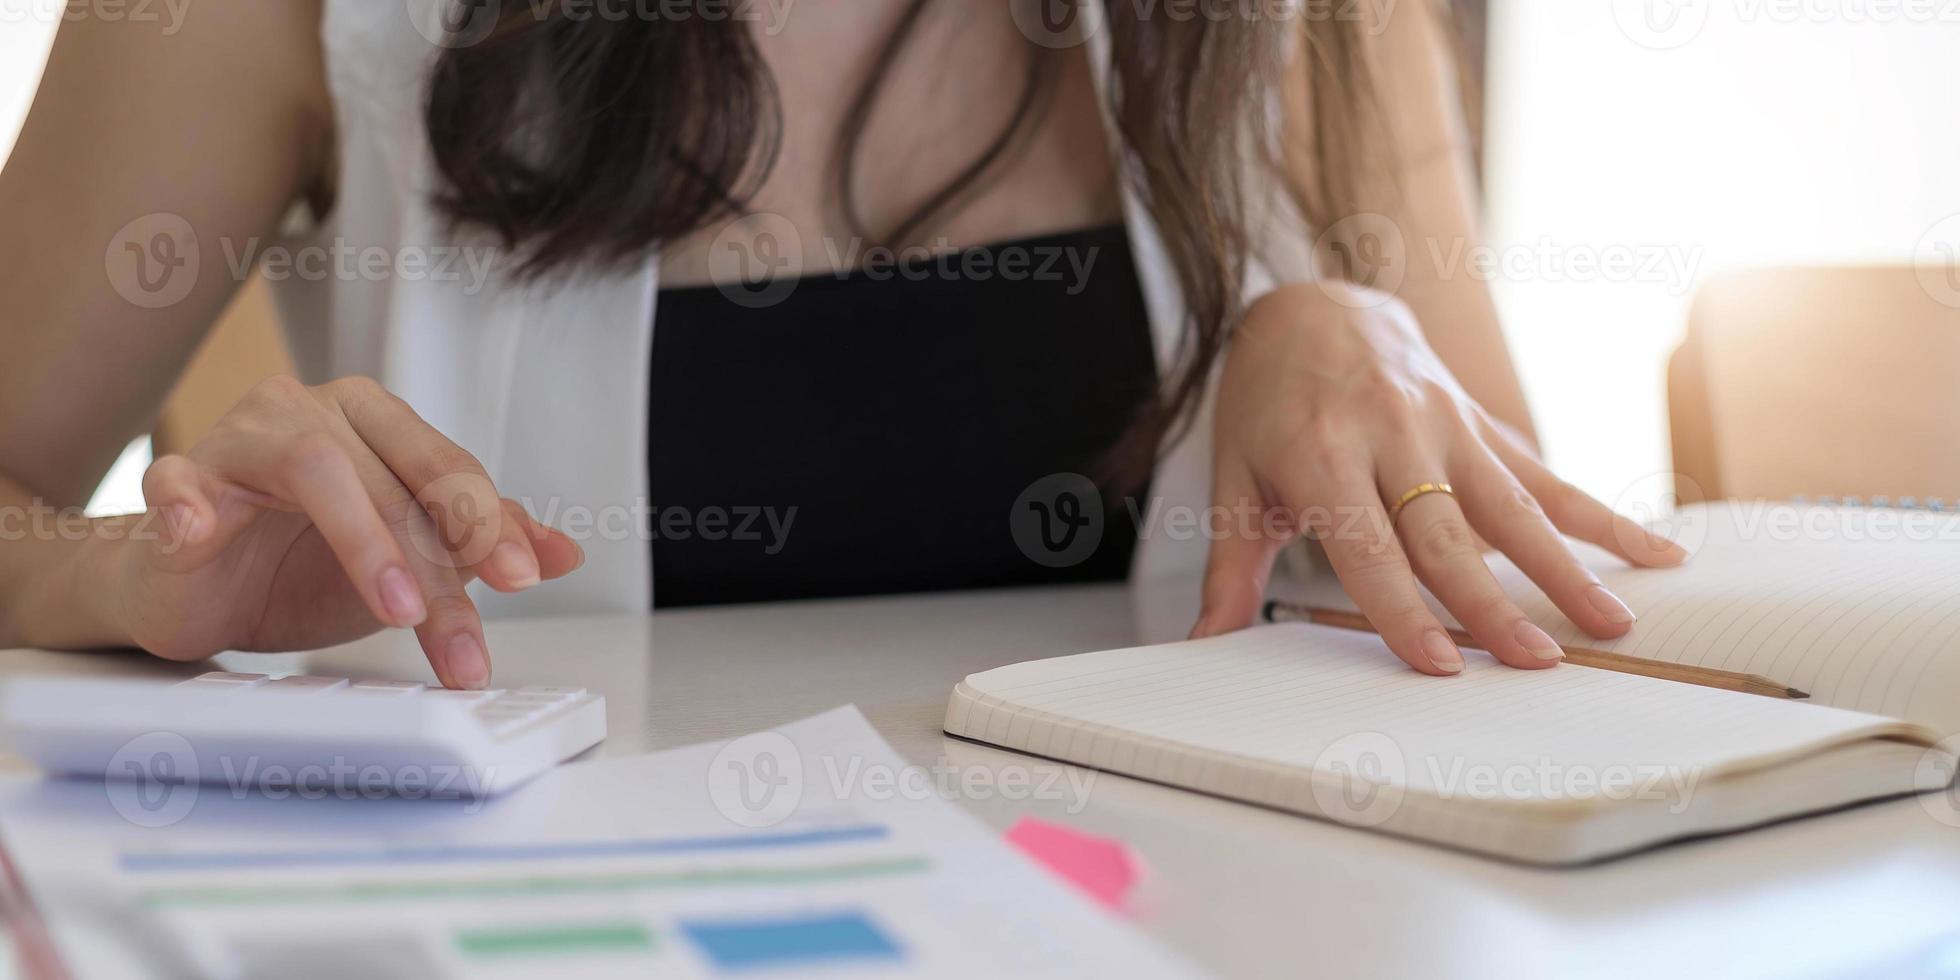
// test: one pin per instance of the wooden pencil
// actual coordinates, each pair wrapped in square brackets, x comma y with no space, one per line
[1725,680]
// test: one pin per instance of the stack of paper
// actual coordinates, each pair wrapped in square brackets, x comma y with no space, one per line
[742,857]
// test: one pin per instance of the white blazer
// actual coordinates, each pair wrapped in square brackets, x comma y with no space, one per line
[548,385]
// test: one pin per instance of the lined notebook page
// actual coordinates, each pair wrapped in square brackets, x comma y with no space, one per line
[1286,694]
[1860,608]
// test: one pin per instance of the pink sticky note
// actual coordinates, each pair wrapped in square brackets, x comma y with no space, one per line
[1106,869]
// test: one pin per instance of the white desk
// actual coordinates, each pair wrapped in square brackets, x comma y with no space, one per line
[1246,891]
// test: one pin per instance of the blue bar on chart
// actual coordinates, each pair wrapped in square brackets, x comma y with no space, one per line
[742,944]
[479,853]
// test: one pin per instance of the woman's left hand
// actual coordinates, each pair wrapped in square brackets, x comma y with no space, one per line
[1331,407]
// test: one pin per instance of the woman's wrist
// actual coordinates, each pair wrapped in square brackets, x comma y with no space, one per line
[72,598]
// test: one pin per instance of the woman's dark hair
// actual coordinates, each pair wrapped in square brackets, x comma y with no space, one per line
[586,143]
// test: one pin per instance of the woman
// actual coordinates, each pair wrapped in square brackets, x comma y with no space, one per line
[1234,170]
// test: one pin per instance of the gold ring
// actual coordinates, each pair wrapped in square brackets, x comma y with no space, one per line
[1395,510]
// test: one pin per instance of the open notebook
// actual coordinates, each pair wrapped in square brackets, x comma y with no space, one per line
[1558,766]
[1858,607]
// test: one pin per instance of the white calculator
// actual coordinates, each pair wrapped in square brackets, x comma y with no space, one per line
[292,733]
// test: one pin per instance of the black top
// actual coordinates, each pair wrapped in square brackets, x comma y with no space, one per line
[909,426]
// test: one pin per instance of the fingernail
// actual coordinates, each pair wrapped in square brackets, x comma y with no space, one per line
[1674,552]
[1609,605]
[1537,643]
[401,598]
[580,549]
[1198,629]
[515,565]
[468,667]
[1441,652]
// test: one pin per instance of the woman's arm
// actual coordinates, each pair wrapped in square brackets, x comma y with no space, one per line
[1420,93]
[221,124]
[1341,403]
[308,516]
[1430,195]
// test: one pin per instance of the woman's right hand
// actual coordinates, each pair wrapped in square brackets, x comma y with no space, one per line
[315,516]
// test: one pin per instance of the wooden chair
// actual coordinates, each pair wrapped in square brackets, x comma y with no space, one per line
[1813,382]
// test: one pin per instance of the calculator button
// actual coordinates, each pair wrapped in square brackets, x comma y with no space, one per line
[465,696]
[304,682]
[399,687]
[528,700]
[551,692]
[226,677]
[506,709]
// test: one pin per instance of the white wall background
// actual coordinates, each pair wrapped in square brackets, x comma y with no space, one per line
[24,39]
[1705,133]
[1739,135]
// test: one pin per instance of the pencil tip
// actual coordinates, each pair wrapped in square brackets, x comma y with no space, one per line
[1796,694]
[1267,612]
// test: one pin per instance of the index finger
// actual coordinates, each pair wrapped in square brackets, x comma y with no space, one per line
[469,520]
[315,473]
[1576,513]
